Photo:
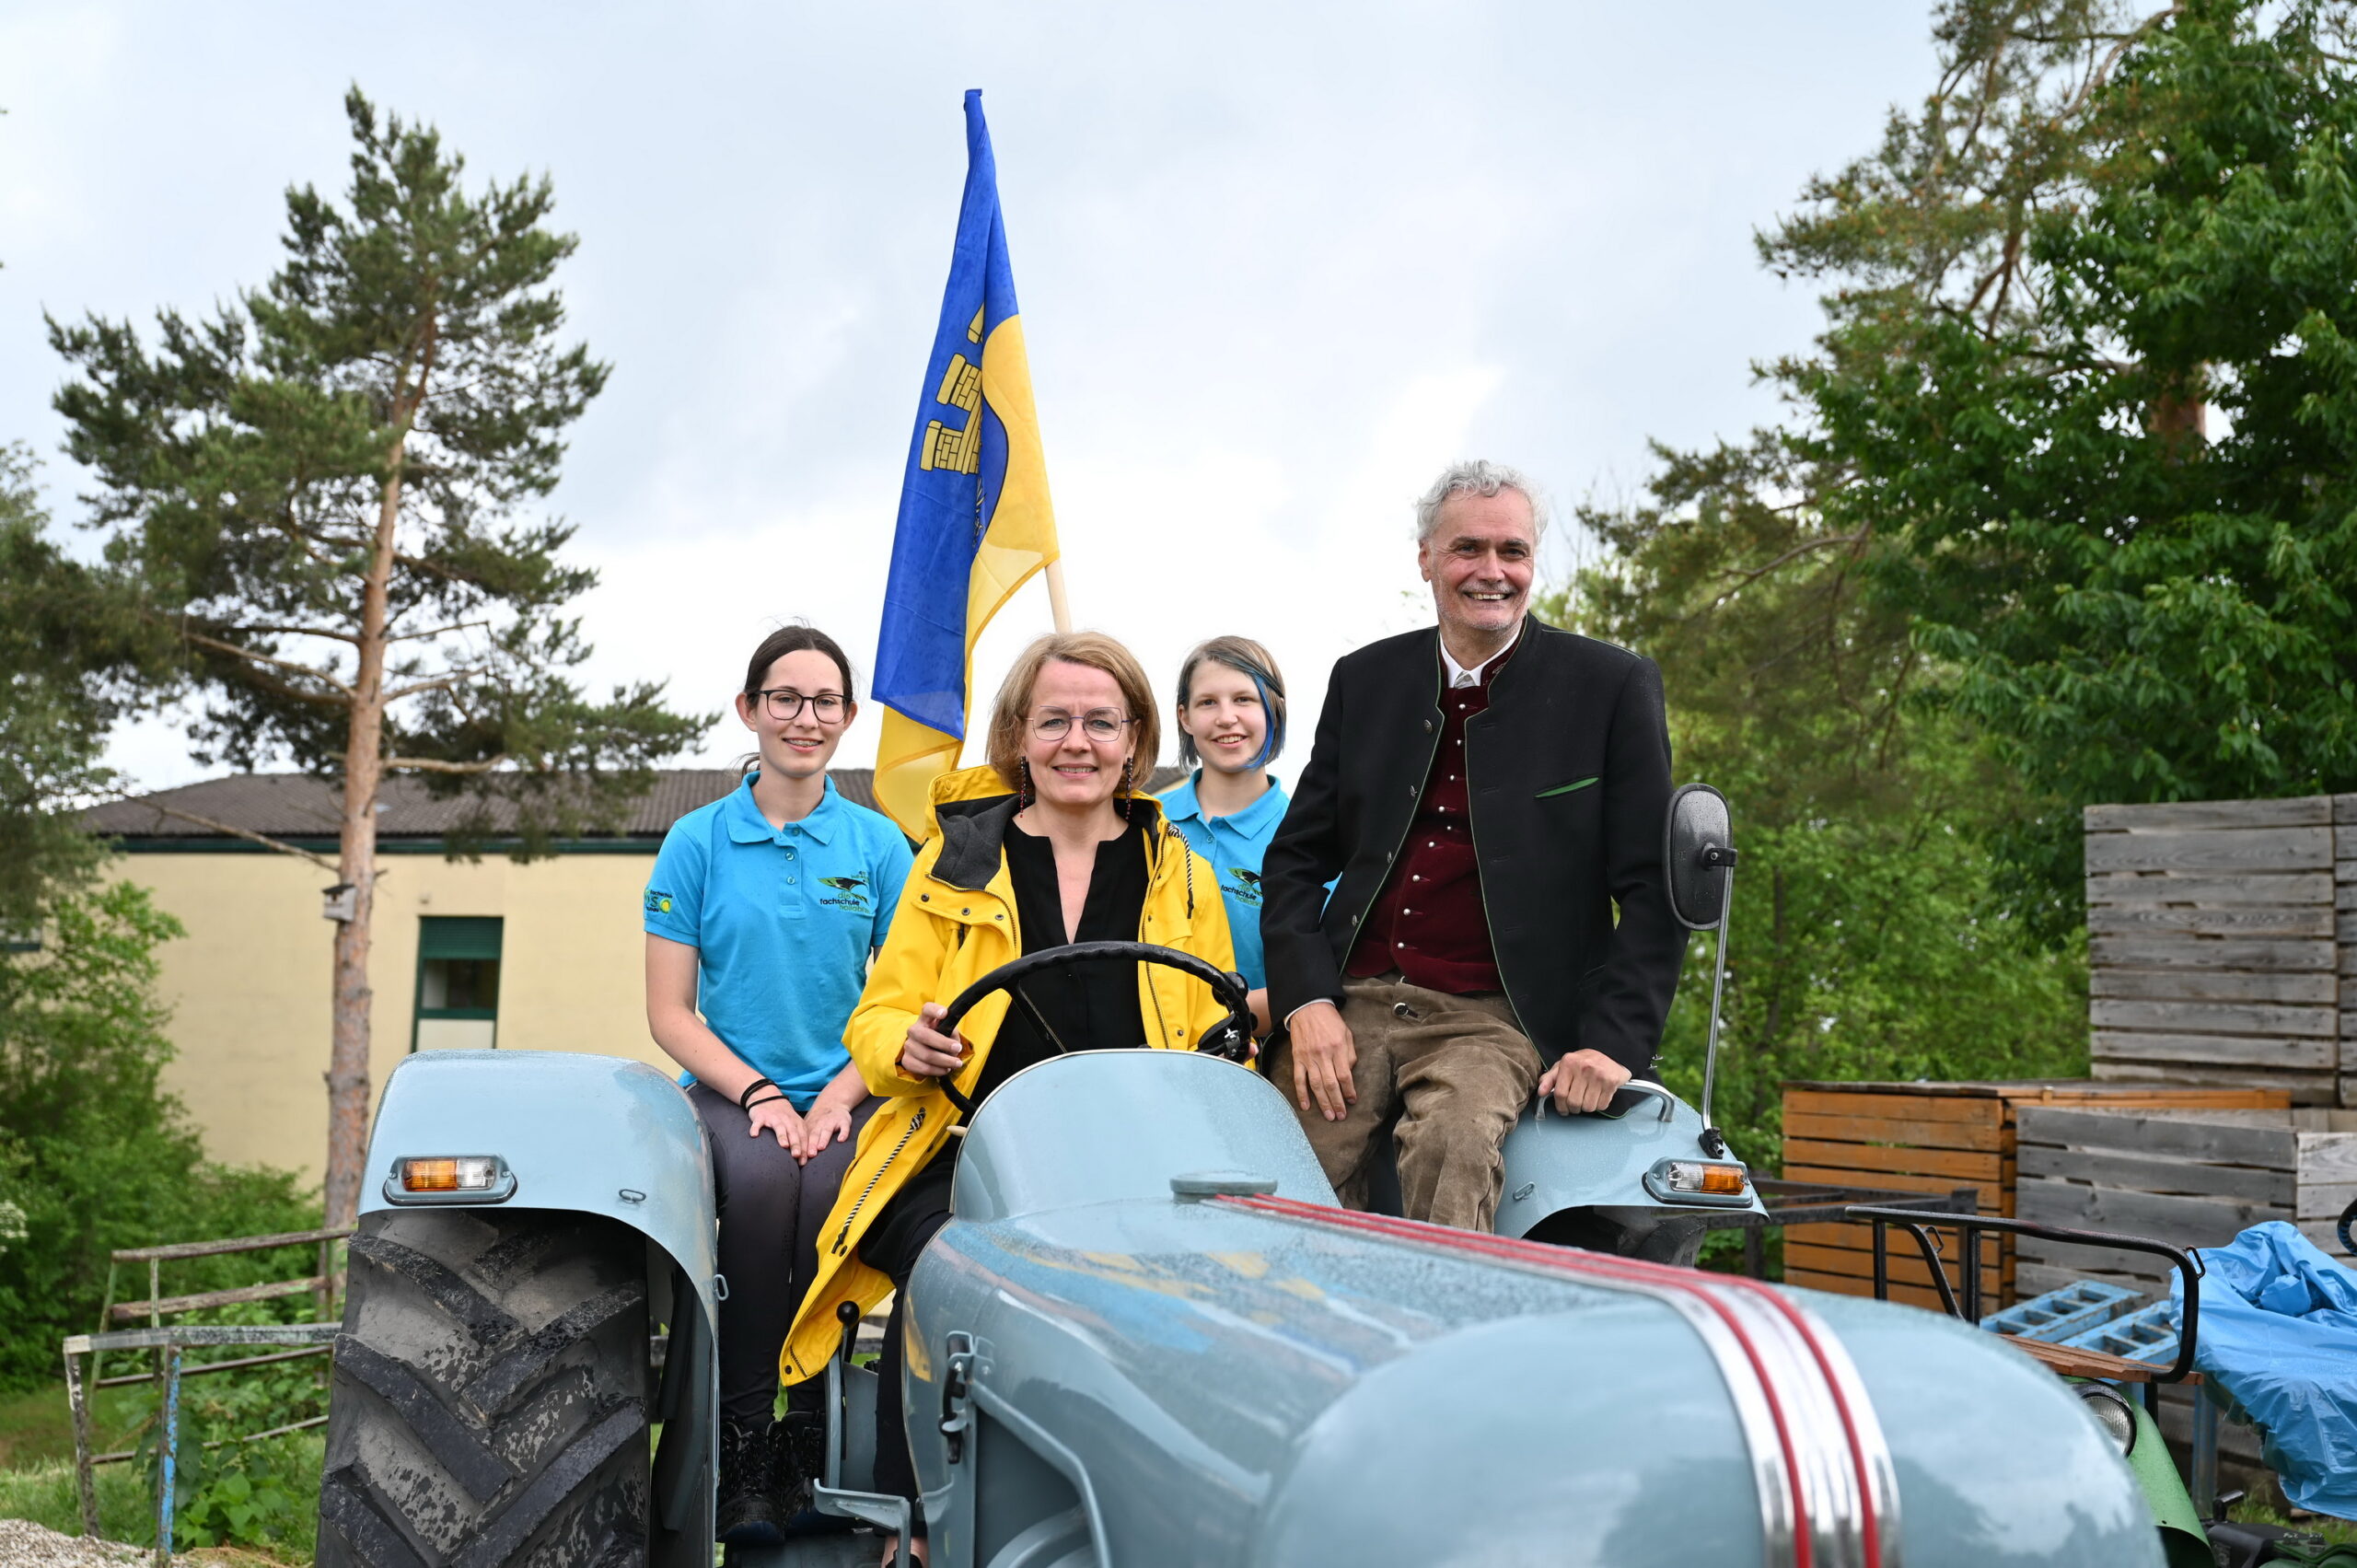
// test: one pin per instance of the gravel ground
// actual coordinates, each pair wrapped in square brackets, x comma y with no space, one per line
[24,1544]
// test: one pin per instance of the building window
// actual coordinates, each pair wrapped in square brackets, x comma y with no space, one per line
[458,983]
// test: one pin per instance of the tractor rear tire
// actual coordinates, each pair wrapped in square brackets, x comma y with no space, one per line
[491,1395]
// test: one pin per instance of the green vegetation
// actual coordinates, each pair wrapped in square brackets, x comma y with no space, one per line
[2251,1511]
[94,1155]
[2063,510]
[257,1495]
[2080,432]
[2090,386]
[44,1493]
[67,647]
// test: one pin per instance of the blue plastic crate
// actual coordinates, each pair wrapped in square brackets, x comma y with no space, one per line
[2059,1314]
[2145,1334]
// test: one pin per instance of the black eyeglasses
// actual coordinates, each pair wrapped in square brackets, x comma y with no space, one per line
[785,702]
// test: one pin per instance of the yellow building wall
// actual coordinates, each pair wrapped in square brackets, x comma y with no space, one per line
[249,984]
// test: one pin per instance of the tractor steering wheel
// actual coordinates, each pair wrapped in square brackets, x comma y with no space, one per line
[1230,1039]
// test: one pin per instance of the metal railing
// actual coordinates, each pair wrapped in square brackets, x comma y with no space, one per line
[1920,1222]
[166,1342]
[322,1286]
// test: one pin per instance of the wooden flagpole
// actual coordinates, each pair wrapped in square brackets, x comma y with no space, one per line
[1058,609]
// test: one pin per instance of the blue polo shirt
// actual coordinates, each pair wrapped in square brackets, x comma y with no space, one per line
[1234,845]
[782,921]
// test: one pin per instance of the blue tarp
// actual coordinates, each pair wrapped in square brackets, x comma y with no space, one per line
[2279,1341]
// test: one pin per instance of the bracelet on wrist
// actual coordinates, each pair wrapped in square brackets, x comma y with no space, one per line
[745,1097]
[766,1099]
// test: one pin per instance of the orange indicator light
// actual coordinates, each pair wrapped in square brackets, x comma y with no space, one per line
[1704,1178]
[449,1173]
[430,1176]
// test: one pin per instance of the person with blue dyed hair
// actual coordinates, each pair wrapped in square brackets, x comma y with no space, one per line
[1231,727]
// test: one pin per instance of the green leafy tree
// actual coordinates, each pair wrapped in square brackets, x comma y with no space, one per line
[70,651]
[2089,385]
[94,1155]
[324,490]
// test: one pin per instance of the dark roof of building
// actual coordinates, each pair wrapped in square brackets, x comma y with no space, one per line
[303,809]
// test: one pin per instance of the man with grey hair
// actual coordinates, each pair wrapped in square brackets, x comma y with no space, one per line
[1488,791]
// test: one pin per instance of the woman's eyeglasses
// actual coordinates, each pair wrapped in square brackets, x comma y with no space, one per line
[785,702]
[1097,723]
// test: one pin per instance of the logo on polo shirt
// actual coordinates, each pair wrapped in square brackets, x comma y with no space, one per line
[1243,886]
[657,903]
[853,892]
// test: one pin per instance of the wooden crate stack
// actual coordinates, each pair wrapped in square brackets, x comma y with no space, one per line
[2344,875]
[1928,1137]
[2216,954]
[2188,1177]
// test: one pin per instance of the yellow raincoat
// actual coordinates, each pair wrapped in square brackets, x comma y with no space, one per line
[955,923]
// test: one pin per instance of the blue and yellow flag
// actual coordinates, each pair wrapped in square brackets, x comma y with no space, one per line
[975,522]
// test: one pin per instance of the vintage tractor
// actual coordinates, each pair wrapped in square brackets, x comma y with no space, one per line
[1150,1336]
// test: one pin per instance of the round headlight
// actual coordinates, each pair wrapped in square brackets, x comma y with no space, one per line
[2111,1414]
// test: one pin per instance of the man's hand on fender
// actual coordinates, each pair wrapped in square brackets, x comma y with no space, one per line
[1582,1081]
[1323,1055]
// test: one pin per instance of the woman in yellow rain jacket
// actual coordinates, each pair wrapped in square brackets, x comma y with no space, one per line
[1054,841]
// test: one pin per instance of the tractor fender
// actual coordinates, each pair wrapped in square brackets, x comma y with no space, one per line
[592,1134]
[1556,1162]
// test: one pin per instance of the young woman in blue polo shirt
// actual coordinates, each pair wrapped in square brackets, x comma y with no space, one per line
[1231,727]
[761,914]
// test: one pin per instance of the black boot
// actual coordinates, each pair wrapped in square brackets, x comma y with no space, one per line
[797,1460]
[748,1514]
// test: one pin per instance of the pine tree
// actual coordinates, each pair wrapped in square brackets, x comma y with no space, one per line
[324,492]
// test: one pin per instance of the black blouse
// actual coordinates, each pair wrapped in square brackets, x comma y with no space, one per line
[1090,1006]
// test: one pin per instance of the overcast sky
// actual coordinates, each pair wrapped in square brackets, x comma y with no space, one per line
[1278,263]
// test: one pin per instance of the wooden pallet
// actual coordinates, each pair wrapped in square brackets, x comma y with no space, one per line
[1931,1137]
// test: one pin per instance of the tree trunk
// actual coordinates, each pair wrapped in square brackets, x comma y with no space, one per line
[2179,416]
[363,772]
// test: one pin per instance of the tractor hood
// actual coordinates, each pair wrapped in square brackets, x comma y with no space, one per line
[1274,1381]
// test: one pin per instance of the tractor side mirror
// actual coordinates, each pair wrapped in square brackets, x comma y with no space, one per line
[1700,856]
[1698,851]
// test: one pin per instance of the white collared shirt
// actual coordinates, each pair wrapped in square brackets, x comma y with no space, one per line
[1460,675]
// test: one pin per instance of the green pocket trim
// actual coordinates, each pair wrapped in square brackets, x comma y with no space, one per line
[1566,789]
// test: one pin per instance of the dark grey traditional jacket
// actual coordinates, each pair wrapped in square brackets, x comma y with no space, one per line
[1569,773]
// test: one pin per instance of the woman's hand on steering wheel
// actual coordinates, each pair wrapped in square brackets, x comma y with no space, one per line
[928,1052]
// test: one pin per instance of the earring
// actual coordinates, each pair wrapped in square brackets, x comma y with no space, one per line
[1023,794]
[1129,787]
